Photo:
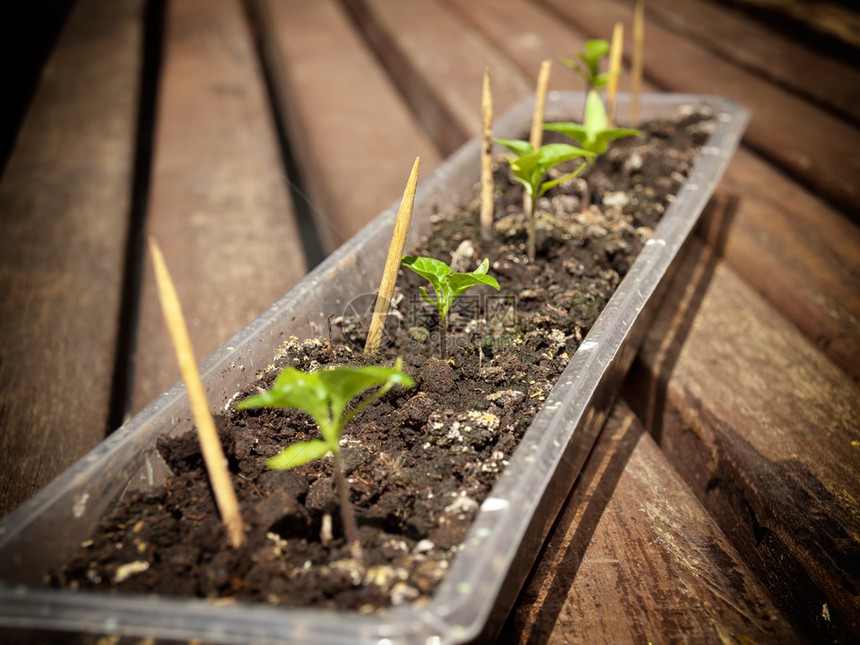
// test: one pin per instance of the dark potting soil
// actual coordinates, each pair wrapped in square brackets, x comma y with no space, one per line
[421,461]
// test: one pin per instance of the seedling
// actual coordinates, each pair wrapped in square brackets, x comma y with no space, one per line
[588,68]
[594,133]
[447,287]
[325,395]
[530,168]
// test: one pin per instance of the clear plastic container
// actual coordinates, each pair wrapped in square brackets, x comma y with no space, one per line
[486,575]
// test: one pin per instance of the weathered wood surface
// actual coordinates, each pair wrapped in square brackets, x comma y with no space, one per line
[406,36]
[786,62]
[827,17]
[766,431]
[219,203]
[345,115]
[802,255]
[634,558]
[817,148]
[65,201]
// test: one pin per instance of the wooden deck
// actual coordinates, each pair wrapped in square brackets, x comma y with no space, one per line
[722,501]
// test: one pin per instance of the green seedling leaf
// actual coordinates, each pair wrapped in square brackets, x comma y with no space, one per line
[448,286]
[531,169]
[519,148]
[294,389]
[595,49]
[593,135]
[298,454]
[460,282]
[587,69]
[325,395]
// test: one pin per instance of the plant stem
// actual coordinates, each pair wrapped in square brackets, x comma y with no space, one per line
[531,237]
[350,527]
[443,337]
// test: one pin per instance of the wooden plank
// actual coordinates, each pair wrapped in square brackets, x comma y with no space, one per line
[634,558]
[440,76]
[355,138]
[815,147]
[800,254]
[527,34]
[793,248]
[768,53]
[219,210]
[829,19]
[766,432]
[64,211]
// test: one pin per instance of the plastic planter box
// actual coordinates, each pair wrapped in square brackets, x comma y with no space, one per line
[486,575]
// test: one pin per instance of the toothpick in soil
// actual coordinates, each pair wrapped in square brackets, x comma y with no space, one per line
[614,71]
[392,263]
[487,160]
[213,455]
[536,139]
[637,63]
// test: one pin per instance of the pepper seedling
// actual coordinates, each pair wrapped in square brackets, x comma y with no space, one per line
[448,287]
[594,133]
[325,395]
[531,166]
[587,69]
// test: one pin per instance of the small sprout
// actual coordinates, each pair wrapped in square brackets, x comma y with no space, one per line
[447,287]
[325,395]
[594,134]
[530,168]
[587,69]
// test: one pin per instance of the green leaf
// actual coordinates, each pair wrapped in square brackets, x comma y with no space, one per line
[430,269]
[460,282]
[294,389]
[595,117]
[616,133]
[346,382]
[573,130]
[426,298]
[600,80]
[554,153]
[299,454]
[593,135]
[483,267]
[596,48]
[545,186]
[519,148]
[394,376]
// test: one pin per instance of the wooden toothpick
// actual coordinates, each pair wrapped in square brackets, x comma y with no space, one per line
[614,71]
[487,159]
[392,262]
[536,139]
[638,58]
[213,455]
